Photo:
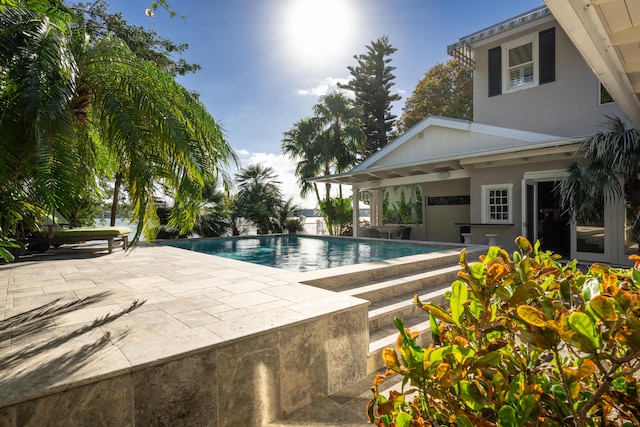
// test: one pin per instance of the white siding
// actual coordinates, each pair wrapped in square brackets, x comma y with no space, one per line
[445,143]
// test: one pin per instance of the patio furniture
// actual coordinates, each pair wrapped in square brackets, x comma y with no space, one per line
[405,233]
[373,233]
[57,234]
[492,239]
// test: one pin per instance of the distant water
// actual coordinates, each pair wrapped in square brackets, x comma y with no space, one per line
[120,222]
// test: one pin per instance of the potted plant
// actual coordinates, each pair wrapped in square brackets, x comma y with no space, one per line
[294,225]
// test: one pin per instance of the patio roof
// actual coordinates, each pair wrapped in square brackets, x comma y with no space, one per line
[500,146]
[607,34]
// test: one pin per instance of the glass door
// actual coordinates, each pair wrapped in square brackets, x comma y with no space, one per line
[592,240]
[529,210]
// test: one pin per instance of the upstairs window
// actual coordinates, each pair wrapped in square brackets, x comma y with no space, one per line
[520,66]
[522,63]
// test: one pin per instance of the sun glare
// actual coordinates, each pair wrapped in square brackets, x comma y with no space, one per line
[318,30]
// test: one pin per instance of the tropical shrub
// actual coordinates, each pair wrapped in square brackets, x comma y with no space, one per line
[338,215]
[525,342]
[405,210]
[294,225]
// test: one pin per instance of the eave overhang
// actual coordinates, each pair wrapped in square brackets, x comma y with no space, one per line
[462,50]
[454,167]
[607,34]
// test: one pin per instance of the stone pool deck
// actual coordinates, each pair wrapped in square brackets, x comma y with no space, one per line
[215,341]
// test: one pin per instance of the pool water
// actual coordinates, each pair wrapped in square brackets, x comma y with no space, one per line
[302,253]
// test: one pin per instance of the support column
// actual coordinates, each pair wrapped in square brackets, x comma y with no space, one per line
[376,207]
[355,197]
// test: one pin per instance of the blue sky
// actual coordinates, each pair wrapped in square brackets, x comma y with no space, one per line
[266,62]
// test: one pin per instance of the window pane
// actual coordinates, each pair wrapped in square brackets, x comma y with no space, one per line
[521,75]
[631,230]
[590,237]
[605,96]
[498,204]
[520,55]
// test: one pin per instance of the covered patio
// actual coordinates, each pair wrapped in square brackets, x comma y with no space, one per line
[447,160]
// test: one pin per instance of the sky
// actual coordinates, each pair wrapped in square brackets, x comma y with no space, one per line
[265,63]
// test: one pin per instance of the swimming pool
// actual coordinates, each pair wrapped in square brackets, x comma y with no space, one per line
[303,253]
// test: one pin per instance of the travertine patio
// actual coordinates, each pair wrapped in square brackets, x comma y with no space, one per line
[216,342]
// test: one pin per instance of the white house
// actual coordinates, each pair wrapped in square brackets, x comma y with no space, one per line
[537,89]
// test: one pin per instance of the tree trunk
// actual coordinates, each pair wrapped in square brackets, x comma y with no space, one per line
[114,203]
[315,188]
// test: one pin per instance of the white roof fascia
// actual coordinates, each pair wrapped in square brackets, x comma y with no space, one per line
[456,124]
[463,159]
[466,159]
[476,154]
[521,22]
[410,133]
[584,27]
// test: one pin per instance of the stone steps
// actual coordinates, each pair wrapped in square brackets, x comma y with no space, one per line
[390,287]
[391,290]
[382,330]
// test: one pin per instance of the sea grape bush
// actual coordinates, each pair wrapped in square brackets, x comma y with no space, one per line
[525,342]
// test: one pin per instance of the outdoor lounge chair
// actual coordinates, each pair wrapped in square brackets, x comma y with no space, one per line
[373,233]
[56,234]
[405,232]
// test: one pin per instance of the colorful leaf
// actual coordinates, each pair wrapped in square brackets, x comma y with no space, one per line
[390,358]
[433,325]
[507,417]
[438,312]
[582,324]
[635,276]
[524,245]
[403,420]
[524,292]
[459,296]
[586,368]
[531,315]
[604,308]
[590,289]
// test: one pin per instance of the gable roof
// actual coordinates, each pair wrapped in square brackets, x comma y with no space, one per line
[439,144]
[496,134]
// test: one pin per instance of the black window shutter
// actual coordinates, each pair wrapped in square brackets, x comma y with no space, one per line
[547,44]
[495,71]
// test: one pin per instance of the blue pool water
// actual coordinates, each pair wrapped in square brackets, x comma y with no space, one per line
[302,253]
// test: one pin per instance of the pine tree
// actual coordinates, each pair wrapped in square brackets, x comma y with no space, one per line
[371,82]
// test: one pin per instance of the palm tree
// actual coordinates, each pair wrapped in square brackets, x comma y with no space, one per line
[611,171]
[301,143]
[342,136]
[259,198]
[214,216]
[286,217]
[326,144]
[76,108]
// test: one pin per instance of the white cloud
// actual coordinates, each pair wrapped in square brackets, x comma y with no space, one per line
[329,84]
[285,171]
